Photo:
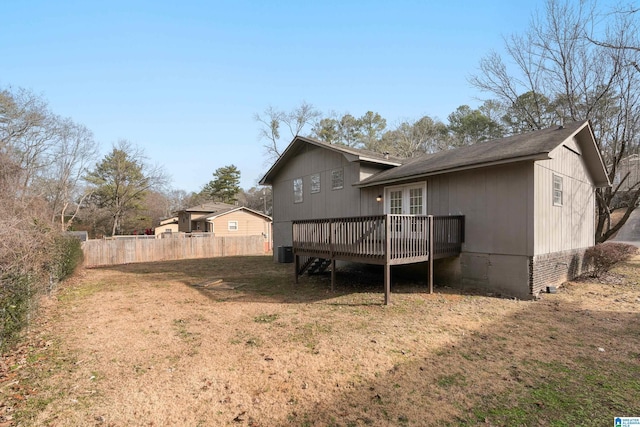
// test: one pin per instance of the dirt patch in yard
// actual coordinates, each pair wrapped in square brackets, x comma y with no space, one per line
[234,341]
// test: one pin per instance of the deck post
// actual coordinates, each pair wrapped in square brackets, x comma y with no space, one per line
[430,279]
[333,274]
[296,266]
[387,284]
[387,260]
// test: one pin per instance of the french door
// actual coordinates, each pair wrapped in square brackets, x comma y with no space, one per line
[407,200]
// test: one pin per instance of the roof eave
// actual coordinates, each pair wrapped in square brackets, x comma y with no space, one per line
[596,163]
[351,155]
[244,208]
[539,156]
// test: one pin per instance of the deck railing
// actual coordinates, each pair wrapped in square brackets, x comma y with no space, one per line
[380,239]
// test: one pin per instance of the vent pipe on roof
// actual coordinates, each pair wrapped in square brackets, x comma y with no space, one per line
[386,155]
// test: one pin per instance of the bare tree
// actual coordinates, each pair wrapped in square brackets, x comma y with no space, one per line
[63,185]
[624,36]
[27,134]
[270,130]
[557,74]
[273,119]
[414,138]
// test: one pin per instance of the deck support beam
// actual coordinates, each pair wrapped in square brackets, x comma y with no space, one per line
[333,274]
[387,260]
[387,284]
[430,254]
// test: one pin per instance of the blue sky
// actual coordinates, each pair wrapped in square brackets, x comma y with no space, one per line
[183,80]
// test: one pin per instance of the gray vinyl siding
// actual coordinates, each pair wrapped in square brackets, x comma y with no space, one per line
[327,203]
[572,225]
[496,202]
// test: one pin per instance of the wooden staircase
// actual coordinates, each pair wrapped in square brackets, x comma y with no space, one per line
[314,265]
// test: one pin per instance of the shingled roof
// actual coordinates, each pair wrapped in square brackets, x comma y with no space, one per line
[211,207]
[534,145]
[354,154]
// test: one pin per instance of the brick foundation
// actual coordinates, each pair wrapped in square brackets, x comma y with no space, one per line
[555,268]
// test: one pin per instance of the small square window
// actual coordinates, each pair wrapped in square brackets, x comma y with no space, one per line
[557,190]
[233,225]
[315,183]
[297,190]
[337,179]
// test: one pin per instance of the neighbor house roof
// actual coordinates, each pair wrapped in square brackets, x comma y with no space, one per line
[216,209]
[211,207]
[352,154]
[534,145]
[237,208]
[169,220]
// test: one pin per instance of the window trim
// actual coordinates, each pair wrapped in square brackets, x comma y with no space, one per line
[230,228]
[557,194]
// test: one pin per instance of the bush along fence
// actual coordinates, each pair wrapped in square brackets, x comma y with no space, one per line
[20,286]
[124,251]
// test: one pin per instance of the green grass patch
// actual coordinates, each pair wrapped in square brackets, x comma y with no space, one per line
[590,393]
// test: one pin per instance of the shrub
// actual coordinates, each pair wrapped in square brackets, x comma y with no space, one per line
[602,257]
[16,293]
[27,272]
[66,256]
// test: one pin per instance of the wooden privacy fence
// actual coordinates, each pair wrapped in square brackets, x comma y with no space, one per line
[124,251]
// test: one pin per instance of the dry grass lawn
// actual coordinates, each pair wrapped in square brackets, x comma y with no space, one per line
[233,341]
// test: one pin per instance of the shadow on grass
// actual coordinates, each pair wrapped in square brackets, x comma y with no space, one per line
[552,362]
[258,278]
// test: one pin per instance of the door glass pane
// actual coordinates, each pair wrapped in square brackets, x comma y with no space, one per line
[415,201]
[395,202]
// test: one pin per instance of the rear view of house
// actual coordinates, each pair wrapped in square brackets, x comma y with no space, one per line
[528,203]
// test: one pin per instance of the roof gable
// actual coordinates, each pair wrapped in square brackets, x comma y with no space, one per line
[352,154]
[534,145]
[235,209]
[211,207]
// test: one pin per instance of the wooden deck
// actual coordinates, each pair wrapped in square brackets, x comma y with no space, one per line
[382,239]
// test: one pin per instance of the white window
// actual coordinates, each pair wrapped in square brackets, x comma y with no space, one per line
[557,190]
[233,225]
[297,190]
[415,201]
[337,179]
[407,199]
[395,202]
[315,183]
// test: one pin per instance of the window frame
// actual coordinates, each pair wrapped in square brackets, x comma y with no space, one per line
[334,174]
[557,190]
[298,190]
[230,228]
[316,185]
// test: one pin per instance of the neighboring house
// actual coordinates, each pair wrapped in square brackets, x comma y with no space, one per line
[512,216]
[223,219]
[167,225]
[83,236]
